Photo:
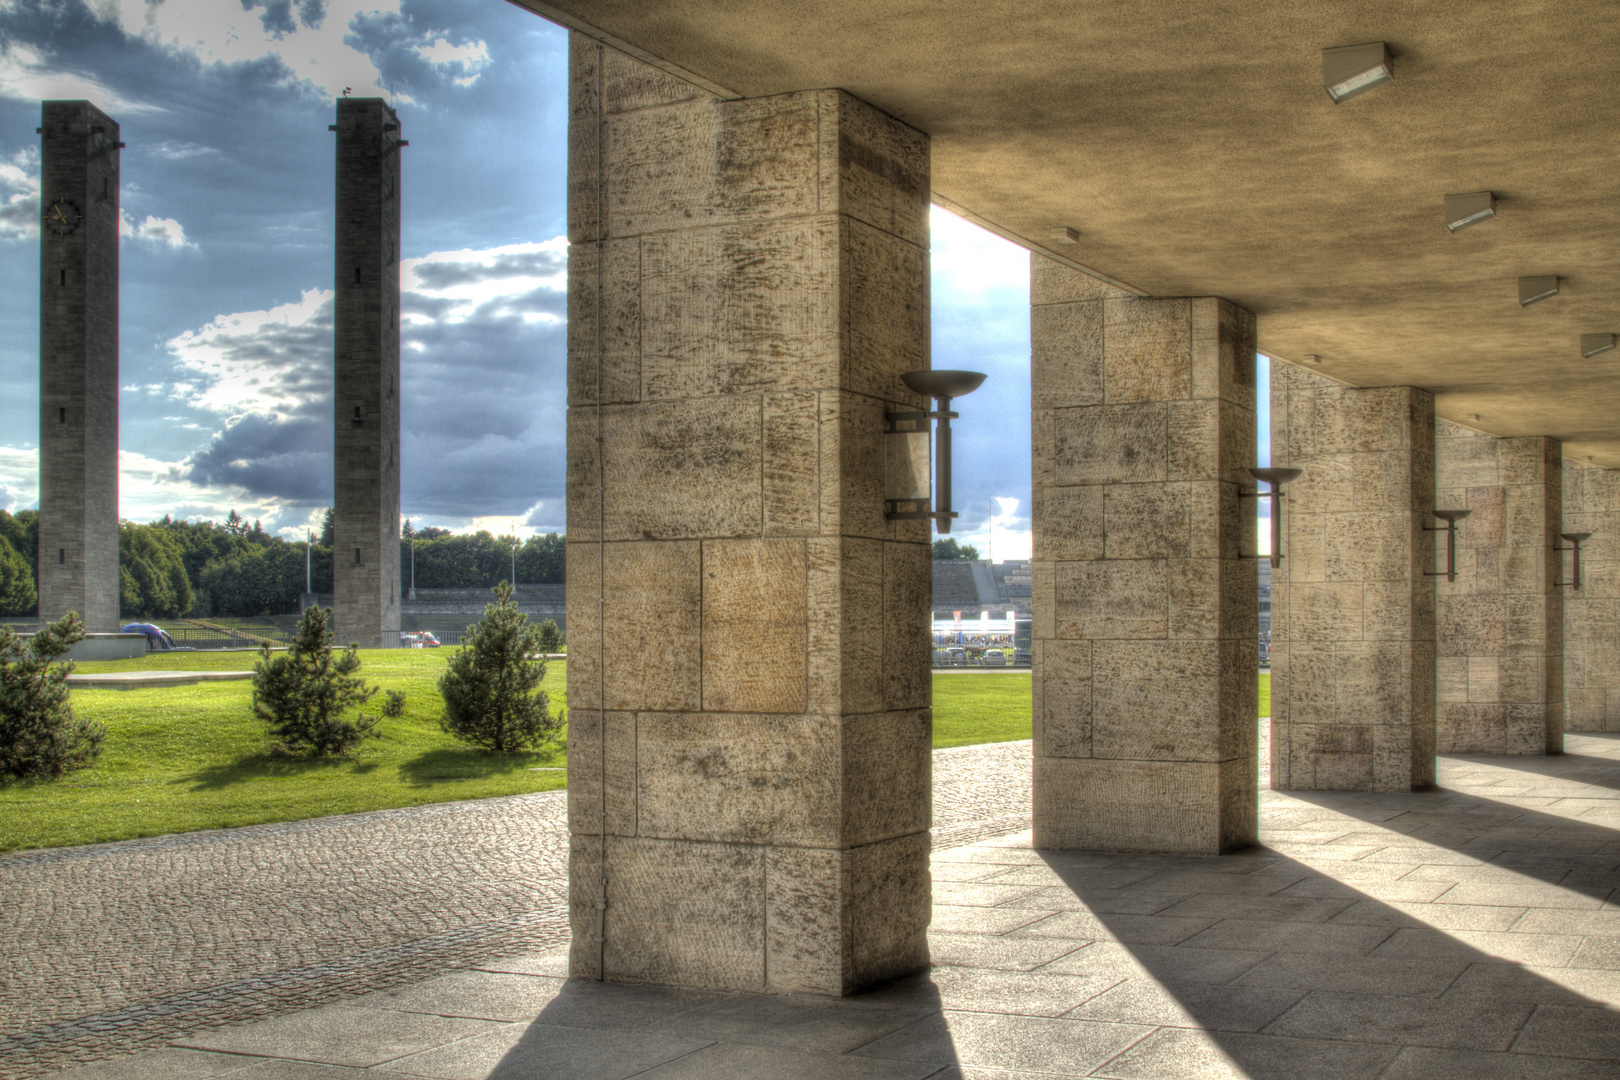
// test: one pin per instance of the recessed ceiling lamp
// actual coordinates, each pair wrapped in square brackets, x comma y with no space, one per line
[1535,289]
[1354,69]
[1592,344]
[1465,210]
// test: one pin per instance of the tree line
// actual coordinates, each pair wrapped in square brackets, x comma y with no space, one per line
[199,569]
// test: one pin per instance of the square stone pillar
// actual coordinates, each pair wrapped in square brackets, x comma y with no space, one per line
[1145,613]
[1352,612]
[365,505]
[78,364]
[1500,625]
[749,656]
[1591,501]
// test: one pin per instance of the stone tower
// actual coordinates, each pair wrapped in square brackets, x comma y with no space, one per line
[365,560]
[78,364]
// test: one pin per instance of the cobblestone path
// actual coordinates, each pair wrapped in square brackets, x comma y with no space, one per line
[111,947]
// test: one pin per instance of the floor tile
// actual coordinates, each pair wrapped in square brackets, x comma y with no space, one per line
[733,1062]
[1278,907]
[1168,965]
[952,919]
[1480,947]
[1215,1008]
[527,1052]
[169,1063]
[1433,916]
[1521,894]
[979,990]
[1580,987]
[1290,937]
[976,950]
[1180,1054]
[977,893]
[1409,1021]
[340,1035]
[1007,1042]
[483,995]
[1354,974]
[1132,929]
[790,1021]
[554,964]
[1425,1063]
[1566,1031]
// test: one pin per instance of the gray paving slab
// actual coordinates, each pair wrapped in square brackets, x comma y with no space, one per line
[529,1051]
[1183,1054]
[999,1041]
[734,1062]
[340,1035]
[1571,1031]
[1425,1063]
[1404,1021]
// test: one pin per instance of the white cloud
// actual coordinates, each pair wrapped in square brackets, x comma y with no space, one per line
[19,195]
[163,230]
[491,281]
[255,361]
[26,74]
[220,31]
[473,57]
[19,477]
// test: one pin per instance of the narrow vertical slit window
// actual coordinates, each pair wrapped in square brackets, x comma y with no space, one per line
[61,556]
[357,556]
[62,277]
[357,419]
[61,416]
[357,275]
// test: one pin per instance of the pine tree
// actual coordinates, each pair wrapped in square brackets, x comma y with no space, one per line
[39,735]
[304,692]
[491,695]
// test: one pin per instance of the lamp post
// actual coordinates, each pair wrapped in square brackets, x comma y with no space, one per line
[410,537]
[309,545]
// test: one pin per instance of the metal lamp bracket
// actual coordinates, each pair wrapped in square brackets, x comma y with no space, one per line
[1276,478]
[1450,517]
[1575,542]
[942,386]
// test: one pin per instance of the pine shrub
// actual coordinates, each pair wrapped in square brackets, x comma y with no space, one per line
[491,695]
[551,638]
[39,735]
[394,703]
[304,692]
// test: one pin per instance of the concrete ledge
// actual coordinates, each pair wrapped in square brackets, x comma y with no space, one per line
[128,680]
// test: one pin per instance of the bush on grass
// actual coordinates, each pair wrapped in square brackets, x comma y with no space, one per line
[39,735]
[394,703]
[551,638]
[490,695]
[304,692]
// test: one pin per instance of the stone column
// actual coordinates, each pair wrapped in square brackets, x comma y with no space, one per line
[78,364]
[365,508]
[1352,612]
[1145,613]
[1591,499]
[748,636]
[1500,625]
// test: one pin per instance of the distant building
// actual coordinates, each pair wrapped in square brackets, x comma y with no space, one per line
[975,585]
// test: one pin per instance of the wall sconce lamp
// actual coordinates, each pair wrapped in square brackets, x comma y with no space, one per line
[1450,517]
[1471,209]
[1592,344]
[1354,69]
[1575,541]
[907,497]
[1276,478]
[1533,290]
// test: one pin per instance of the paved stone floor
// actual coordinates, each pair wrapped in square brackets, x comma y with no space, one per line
[113,947]
[1472,931]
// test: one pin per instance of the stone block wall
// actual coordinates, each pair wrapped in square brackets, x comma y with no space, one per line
[1352,612]
[365,510]
[1145,636]
[749,649]
[1591,498]
[78,365]
[1500,625]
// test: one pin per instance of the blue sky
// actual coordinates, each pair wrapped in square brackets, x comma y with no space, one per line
[226,261]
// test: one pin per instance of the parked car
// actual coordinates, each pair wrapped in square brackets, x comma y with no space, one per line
[994,658]
[418,639]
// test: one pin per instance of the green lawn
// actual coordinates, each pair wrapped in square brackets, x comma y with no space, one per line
[972,709]
[178,759]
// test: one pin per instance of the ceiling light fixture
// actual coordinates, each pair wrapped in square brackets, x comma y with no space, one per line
[1592,344]
[1533,290]
[1066,235]
[1471,209]
[1354,69]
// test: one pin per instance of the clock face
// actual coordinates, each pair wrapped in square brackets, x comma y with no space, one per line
[62,217]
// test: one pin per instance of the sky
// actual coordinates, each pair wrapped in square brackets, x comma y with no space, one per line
[226,261]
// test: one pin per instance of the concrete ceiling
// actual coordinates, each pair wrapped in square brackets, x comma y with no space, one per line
[1192,146]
